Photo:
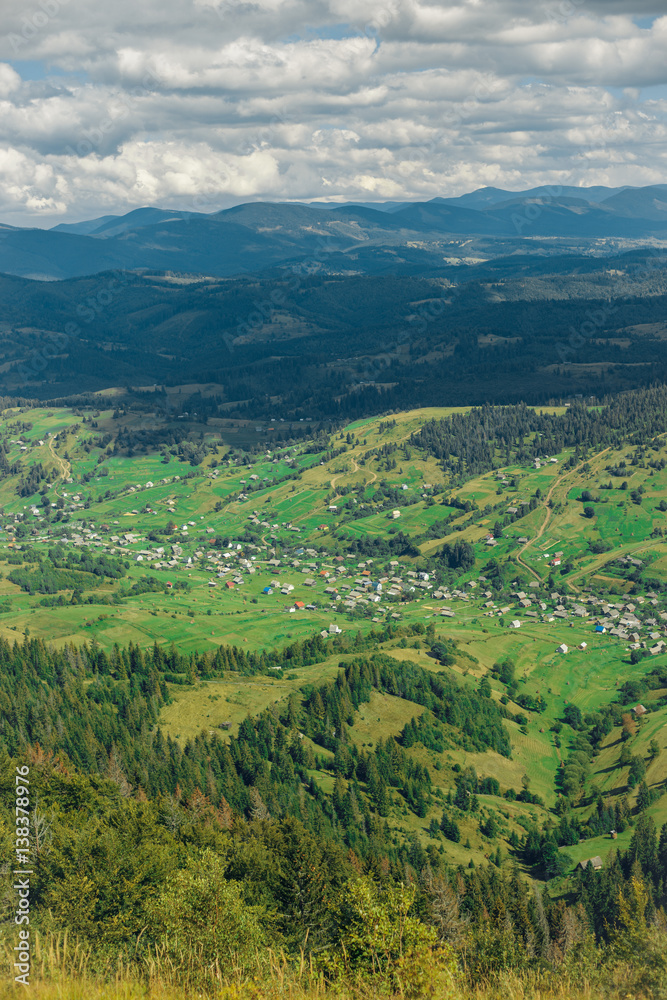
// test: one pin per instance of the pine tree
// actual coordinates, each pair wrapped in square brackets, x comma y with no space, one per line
[643,797]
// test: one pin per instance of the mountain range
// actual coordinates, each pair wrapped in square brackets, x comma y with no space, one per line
[344,239]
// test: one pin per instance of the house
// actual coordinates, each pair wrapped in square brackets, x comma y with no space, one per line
[562,648]
[229,585]
[267,590]
[583,645]
[169,585]
[299,605]
[395,514]
[515,624]
[600,629]
[639,710]
[595,862]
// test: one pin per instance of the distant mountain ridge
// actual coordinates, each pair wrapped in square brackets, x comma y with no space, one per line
[258,236]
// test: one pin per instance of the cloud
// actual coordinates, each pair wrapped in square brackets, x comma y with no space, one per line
[190,102]
[9,80]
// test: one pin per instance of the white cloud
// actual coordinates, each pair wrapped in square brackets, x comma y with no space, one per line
[181,101]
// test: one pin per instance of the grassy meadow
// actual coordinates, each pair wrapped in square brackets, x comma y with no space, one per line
[256,498]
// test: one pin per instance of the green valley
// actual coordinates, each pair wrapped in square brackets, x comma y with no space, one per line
[373,537]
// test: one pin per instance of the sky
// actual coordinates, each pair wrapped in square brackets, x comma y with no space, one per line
[200,104]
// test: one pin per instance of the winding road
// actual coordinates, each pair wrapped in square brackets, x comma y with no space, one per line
[339,474]
[64,467]
[548,512]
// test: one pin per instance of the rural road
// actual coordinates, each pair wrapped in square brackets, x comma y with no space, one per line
[543,526]
[356,468]
[63,466]
[339,474]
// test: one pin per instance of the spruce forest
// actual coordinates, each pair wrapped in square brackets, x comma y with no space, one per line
[336,709]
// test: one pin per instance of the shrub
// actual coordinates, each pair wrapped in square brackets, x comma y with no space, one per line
[203,923]
[379,938]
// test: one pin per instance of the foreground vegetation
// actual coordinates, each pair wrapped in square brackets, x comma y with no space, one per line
[61,973]
[317,709]
[156,892]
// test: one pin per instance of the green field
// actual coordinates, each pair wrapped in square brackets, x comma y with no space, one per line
[201,535]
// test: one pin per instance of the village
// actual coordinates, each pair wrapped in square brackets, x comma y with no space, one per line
[282,534]
[307,579]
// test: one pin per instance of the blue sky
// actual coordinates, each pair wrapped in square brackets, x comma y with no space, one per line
[37,69]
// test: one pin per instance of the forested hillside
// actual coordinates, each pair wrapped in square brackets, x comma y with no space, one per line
[390,696]
[467,444]
[133,836]
[321,344]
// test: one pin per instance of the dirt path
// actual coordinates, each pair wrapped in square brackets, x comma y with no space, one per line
[63,466]
[543,527]
[339,474]
[629,549]
[356,468]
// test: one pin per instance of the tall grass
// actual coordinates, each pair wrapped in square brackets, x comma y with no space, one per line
[62,969]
